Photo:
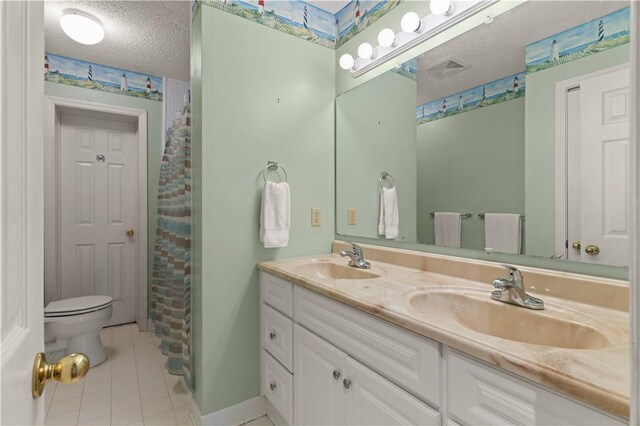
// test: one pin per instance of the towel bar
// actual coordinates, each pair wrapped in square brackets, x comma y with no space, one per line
[481,216]
[462,215]
[272,166]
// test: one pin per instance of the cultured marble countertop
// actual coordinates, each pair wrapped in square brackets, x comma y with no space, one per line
[598,377]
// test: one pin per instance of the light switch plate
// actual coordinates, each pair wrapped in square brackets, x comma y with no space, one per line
[315,216]
[351,216]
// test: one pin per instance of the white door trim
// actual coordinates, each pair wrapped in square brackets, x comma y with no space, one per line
[52,220]
[634,267]
[562,87]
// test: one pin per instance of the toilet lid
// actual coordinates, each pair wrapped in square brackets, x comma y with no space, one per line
[77,305]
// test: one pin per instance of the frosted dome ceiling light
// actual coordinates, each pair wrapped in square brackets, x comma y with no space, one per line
[410,22]
[347,62]
[365,51]
[386,37]
[81,26]
[441,7]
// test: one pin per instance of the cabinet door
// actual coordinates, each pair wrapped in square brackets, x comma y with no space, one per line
[318,373]
[373,400]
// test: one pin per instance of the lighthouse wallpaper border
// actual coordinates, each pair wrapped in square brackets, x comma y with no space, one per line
[74,72]
[492,93]
[595,36]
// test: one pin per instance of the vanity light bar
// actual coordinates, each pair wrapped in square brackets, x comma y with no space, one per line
[430,26]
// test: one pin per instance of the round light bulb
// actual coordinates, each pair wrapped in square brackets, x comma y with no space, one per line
[386,37]
[441,7]
[81,26]
[410,22]
[347,62]
[365,51]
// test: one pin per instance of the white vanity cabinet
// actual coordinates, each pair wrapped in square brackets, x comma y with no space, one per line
[326,363]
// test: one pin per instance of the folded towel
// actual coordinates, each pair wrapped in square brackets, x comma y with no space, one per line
[381,217]
[391,215]
[447,228]
[502,232]
[275,214]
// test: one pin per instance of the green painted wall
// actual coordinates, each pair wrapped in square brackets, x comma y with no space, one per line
[196,207]
[155,143]
[265,96]
[540,142]
[471,163]
[376,130]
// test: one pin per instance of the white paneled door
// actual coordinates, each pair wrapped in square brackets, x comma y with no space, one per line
[98,218]
[604,169]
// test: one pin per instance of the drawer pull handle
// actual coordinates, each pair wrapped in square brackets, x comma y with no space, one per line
[272,386]
[272,335]
[346,383]
[336,374]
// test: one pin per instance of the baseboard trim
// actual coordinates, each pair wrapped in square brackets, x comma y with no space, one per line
[238,414]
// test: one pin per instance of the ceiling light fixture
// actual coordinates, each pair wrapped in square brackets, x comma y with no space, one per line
[347,62]
[441,7]
[387,37]
[414,31]
[81,26]
[366,51]
[410,22]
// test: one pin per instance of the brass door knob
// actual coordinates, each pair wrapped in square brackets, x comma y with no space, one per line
[592,250]
[68,370]
[575,245]
[130,232]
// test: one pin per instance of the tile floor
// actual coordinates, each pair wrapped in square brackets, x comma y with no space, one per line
[130,387]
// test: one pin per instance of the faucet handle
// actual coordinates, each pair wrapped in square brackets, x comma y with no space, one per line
[514,274]
[357,250]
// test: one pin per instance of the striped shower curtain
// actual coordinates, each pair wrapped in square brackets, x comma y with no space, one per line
[170,295]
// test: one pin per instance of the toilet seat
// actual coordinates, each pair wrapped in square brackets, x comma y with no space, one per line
[77,306]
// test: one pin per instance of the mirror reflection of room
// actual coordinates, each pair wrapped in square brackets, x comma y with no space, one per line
[517,140]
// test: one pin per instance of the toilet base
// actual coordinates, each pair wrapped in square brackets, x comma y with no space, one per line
[90,345]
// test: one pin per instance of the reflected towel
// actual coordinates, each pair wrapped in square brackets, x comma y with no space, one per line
[275,214]
[502,232]
[391,214]
[447,229]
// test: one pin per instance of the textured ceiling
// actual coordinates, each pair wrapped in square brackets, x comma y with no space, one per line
[497,50]
[150,37]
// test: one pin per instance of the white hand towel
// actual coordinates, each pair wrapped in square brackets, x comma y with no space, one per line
[502,232]
[391,214]
[447,229]
[381,217]
[275,214]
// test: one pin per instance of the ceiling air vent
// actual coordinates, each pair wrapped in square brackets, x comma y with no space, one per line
[445,68]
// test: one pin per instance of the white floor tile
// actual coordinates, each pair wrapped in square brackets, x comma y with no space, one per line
[70,418]
[127,416]
[156,407]
[167,418]
[125,402]
[94,411]
[180,400]
[100,421]
[95,398]
[62,407]
[151,382]
[153,394]
[260,421]
[68,392]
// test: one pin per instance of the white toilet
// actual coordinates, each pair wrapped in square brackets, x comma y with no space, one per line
[74,325]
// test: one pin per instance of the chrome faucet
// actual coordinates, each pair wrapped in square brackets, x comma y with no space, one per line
[357,260]
[511,290]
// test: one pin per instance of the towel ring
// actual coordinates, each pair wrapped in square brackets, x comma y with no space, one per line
[272,166]
[386,176]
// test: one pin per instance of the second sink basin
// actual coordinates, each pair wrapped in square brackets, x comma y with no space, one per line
[479,313]
[334,271]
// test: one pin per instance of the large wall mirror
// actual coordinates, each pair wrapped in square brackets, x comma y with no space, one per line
[510,138]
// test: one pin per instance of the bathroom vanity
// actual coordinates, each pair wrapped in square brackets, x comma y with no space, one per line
[417,339]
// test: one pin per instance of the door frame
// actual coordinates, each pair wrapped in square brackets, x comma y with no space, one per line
[52,107]
[562,87]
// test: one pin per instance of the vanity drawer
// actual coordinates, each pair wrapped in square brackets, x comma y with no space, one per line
[277,386]
[277,336]
[409,360]
[277,293]
[481,394]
